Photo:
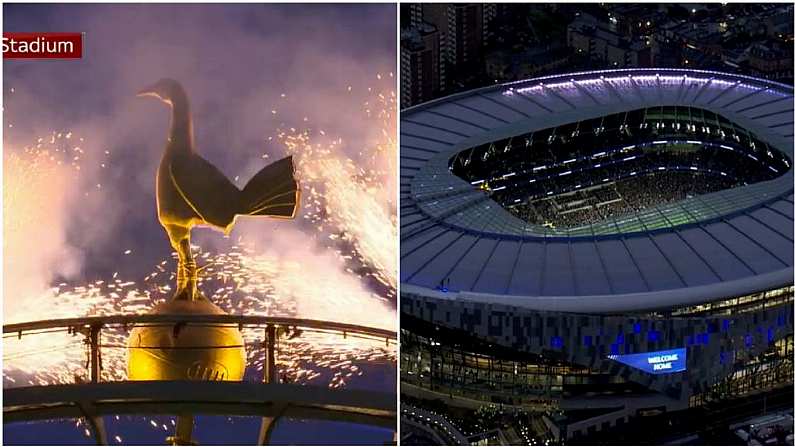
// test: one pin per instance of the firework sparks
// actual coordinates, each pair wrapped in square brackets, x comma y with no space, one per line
[346,202]
[38,181]
[353,201]
[239,281]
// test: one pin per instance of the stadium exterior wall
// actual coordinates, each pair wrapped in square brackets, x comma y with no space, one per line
[715,344]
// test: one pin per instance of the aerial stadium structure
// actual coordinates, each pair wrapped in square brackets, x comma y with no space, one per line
[618,239]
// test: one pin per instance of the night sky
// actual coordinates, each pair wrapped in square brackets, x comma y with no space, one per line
[235,62]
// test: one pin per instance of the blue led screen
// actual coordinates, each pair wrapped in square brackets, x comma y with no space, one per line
[656,362]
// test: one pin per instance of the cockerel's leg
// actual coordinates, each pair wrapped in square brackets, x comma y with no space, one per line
[190,273]
[186,269]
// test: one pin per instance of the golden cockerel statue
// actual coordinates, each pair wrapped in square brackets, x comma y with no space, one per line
[191,191]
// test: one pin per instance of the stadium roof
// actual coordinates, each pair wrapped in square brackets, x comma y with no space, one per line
[728,243]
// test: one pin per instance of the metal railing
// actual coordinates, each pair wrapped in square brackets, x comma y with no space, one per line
[269,399]
[91,327]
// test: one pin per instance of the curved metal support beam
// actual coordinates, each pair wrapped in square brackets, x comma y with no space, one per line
[224,398]
[95,421]
[267,425]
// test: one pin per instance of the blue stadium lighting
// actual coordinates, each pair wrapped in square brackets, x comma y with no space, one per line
[616,74]
[565,162]
[510,174]
[630,158]
[564,173]
[599,154]
[694,142]
[477,182]
[499,189]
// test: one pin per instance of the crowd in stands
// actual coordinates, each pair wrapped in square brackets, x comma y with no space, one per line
[608,167]
[614,136]
[618,199]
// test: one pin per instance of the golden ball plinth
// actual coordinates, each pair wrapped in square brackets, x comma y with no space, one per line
[186,352]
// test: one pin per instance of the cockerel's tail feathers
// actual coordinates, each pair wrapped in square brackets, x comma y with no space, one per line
[281,205]
[273,191]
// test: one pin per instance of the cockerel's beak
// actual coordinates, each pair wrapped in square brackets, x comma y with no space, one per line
[148,91]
